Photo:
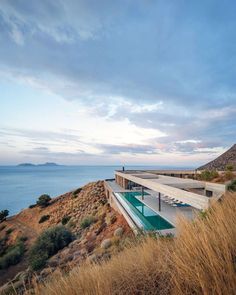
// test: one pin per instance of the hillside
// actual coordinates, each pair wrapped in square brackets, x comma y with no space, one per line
[201,260]
[74,208]
[220,163]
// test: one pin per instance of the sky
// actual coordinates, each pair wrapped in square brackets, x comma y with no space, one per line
[117,82]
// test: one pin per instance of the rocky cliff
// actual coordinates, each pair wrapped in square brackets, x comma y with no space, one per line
[220,163]
[98,231]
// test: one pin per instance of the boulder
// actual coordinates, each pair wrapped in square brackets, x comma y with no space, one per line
[54,262]
[106,243]
[118,232]
[46,272]
[76,255]
[93,258]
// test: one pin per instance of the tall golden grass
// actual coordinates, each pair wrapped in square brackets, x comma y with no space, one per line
[201,260]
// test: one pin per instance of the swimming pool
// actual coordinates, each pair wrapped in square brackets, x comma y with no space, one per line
[145,217]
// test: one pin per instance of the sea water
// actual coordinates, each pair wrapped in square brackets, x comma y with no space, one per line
[21,186]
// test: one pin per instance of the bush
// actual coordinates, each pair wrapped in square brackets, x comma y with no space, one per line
[65,219]
[44,218]
[209,175]
[32,206]
[3,215]
[43,200]
[23,238]
[13,255]
[87,221]
[76,192]
[9,231]
[229,167]
[48,244]
[3,245]
[232,186]
[229,175]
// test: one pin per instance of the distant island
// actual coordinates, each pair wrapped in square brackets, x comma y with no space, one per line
[48,164]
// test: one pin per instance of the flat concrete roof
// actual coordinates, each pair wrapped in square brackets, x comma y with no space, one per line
[171,186]
[162,171]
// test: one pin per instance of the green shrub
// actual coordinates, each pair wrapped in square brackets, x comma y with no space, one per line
[43,200]
[9,231]
[23,238]
[229,175]
[232,186]
[12,256]
[32,206]
[44,218]
[65,219]
[3,215]
[87,221]
[203,214]
[229,167]
[209,175]
[3,245]
[76,192]
[48,244]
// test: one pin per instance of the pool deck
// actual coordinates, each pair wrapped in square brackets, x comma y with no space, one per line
[168,212]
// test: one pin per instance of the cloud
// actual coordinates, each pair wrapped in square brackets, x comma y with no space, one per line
[129,149]
[158,64]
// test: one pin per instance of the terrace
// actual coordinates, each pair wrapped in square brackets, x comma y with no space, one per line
[142,196]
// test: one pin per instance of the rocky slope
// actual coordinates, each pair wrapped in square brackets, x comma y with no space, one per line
[106,235]
[220,163]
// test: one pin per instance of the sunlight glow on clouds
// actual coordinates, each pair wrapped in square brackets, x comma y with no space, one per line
[116,81]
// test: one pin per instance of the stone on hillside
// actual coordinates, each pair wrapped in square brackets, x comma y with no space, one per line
[118,232]
[46,272]
[106,256]
[54,262]
[93,258]
[106,243]
[74,244]
[76,255]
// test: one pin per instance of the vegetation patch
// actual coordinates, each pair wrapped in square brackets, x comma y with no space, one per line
[208,175]
[9,231]
[3,245]
[43,200]
[65,219]
[76,192]
[199,260]
[32,206]
[3,215]
[44,218]
[232,186]
[48,244]
[23,238]
[12,255]
[87,221]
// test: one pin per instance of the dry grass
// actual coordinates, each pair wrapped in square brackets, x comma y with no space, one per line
[201,260]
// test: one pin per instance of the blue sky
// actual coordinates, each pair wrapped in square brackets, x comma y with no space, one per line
[111,82]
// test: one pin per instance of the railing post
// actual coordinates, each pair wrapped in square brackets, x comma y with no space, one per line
[159,198]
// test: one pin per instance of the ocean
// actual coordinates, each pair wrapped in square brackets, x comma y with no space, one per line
[21,186]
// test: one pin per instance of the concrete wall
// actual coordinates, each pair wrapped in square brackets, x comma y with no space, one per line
[118,207]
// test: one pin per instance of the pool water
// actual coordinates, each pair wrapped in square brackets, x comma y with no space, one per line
[149,219]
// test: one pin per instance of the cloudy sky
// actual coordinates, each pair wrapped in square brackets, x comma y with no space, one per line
[117,82]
